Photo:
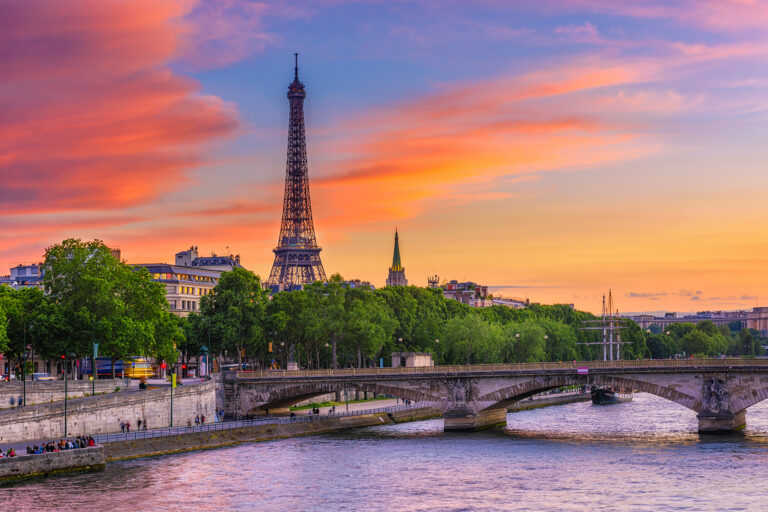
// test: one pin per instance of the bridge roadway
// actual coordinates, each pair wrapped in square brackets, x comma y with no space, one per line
[474,396]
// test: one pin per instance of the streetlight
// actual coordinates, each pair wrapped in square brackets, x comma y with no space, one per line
[207,358]
[437,348]
[24,372]
[93,361]
[282,349]
[64,357]
[328,355]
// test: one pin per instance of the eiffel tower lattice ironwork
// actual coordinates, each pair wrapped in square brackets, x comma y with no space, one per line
[297,255]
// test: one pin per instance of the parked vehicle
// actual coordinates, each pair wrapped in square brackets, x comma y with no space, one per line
[42,376]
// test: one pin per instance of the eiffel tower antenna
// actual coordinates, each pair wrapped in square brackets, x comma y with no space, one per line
[297,255]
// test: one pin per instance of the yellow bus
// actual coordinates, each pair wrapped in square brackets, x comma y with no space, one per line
[137,367]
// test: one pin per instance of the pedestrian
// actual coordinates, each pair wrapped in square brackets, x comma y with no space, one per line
[139,423]
[13,402]
[202,419]
[197,420]
[127,426]
[122,426]
[21,401]
[145,423]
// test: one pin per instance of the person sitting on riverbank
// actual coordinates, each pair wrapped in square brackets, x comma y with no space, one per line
[10,453]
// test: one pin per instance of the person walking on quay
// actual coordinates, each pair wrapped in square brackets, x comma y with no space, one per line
[139,423]
[122,426]
[145,423]
[202,419]
[197,420]
[127,426]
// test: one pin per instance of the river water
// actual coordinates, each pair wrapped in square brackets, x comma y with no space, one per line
[640,456]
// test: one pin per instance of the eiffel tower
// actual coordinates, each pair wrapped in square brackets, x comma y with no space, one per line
[297,255]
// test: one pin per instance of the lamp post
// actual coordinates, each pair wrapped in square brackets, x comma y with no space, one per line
[207,357]
[327,355]
[24,373]
[64,357]
[282,349]
[437,349]
[93,360]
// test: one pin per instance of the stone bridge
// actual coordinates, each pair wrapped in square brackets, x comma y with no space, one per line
[718,390]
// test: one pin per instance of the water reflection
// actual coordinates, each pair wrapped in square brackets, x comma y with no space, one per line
[645,455]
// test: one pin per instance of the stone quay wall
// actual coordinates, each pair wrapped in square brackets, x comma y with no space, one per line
[103,413]
[215,439]
[46,391]
[546,401]
[44,464]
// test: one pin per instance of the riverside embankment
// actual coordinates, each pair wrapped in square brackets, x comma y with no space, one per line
[549,400]
[103,413]
[144,444]
[45,464]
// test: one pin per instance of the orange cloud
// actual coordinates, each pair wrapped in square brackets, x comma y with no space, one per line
[399,160]
[92,116]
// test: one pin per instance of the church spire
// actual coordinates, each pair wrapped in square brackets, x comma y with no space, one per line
[397,271]
[396,265]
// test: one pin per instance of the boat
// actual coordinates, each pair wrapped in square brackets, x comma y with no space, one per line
[607,396]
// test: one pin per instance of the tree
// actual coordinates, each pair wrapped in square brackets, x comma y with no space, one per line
[236,309]
[97,293]
[524,342]
[3,330]
[370,323]
[661,346]
[697,342]
[747,343]
[471,340]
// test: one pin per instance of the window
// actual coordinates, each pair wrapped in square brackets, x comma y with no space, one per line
[172,304]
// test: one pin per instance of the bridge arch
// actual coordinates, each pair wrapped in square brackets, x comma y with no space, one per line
[506,396]
[282,397]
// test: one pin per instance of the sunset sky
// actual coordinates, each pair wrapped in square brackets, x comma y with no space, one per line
[550,149]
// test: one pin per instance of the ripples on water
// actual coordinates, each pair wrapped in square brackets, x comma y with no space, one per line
[641,456]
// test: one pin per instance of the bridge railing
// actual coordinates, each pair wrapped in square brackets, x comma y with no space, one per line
[472,368]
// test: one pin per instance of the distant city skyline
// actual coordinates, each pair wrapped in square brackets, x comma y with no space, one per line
[561,148]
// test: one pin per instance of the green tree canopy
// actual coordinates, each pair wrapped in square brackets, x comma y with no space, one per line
[236,309]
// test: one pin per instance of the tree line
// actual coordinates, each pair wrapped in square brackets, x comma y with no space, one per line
[334,325]
[91,296]
[88,296]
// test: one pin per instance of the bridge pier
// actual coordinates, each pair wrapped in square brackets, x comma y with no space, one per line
[468,422]
[722,423]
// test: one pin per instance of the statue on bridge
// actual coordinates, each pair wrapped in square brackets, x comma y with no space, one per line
[714,396]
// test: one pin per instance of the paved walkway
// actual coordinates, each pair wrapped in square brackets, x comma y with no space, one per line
[359,406]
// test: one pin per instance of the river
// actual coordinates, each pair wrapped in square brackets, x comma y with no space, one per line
[640,456]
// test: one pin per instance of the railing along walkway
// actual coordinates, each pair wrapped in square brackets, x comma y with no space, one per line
[510,367]
[228,425]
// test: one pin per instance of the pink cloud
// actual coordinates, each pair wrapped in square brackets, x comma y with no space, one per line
[91,116]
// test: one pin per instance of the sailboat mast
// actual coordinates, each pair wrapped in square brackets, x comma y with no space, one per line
[605,348]
[610,328]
